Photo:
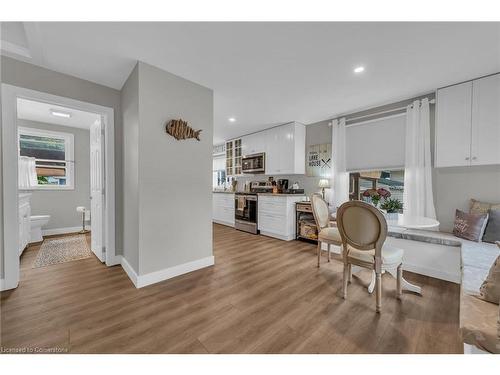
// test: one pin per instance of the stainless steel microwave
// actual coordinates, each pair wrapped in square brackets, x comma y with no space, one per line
[255,163]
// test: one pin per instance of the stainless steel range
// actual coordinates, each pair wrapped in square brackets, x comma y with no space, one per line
[245,212]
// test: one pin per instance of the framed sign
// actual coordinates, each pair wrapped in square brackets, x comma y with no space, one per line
[319,160]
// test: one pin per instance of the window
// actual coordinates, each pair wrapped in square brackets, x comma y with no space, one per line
[218,171]
[390,180]
[53,153]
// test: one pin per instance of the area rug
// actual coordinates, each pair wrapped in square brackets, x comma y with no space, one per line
[62,250]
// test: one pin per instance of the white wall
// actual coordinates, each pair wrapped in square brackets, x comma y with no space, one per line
[174,177]
[61,204]
[130,109]
[453,187]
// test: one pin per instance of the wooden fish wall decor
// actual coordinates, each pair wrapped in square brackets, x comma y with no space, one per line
[180,129]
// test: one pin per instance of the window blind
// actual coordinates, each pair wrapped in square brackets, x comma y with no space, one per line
[376,144]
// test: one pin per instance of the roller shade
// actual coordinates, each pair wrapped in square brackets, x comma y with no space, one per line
[376,144]
[219,163]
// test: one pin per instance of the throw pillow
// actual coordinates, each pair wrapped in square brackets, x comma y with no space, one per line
[469,226]
[490,289]
[478,207]
[492,231]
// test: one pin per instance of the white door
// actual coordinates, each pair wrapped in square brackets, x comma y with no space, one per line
[453,125]
[97,189]
[485,148]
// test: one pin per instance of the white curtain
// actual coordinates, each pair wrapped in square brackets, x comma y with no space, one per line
[27,178]
[340,178]
[417,198]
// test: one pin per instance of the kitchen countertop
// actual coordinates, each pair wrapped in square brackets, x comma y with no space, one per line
[261,194]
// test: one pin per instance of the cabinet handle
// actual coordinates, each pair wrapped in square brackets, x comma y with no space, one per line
[467,158]
[474,158]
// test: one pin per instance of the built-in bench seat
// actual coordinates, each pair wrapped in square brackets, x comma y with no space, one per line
[479,319]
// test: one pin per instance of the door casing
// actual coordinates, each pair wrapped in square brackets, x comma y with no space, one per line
[10,94]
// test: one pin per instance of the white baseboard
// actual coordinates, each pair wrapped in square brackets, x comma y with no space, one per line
[132,275]
[227,223]
[165,274]
[51,232]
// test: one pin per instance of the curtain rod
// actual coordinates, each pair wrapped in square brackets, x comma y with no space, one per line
[433,101]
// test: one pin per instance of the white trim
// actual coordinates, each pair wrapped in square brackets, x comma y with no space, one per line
[222,222]
[141,281]
[2,284]
[132,275]
[69,154]
[55,231]
[10,189]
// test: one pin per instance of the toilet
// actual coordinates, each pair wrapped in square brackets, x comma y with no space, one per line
[37,222]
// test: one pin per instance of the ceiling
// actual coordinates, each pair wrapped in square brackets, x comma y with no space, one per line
[41,112]
[265,74]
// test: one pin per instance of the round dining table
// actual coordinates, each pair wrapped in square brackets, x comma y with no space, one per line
[411,222]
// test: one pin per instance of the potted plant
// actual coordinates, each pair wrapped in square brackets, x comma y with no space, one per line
[375,195]
[392,207]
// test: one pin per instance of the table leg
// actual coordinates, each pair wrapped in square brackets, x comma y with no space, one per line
[406,285]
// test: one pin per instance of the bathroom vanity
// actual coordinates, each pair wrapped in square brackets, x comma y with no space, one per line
[24,221]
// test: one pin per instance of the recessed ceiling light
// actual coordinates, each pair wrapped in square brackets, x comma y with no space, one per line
[60,114]
[359,69]
[232,119]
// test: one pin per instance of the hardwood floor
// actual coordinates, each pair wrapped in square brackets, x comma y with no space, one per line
[262,296]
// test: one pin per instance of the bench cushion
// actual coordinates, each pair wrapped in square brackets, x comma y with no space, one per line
[479,323]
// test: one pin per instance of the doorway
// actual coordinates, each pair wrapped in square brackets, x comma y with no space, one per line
[59,174]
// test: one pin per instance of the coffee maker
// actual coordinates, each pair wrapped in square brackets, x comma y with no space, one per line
[282,185]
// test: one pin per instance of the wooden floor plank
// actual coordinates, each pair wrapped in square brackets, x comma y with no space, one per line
[262,296]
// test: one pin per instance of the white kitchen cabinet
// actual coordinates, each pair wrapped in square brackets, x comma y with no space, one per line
[223,208]
[285,151]
[253,144]
[276,215]
[453,125]
[233,157]
[285,148]
[24,221]
[468,123]
[485,142]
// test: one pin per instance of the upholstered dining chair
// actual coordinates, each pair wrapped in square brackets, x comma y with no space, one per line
[363,230]
[326,233]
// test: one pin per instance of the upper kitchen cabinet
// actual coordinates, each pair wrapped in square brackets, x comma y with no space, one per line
[485,143]
[453,125]
[252,144]
[233,157]
[468,123]
[284,147]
